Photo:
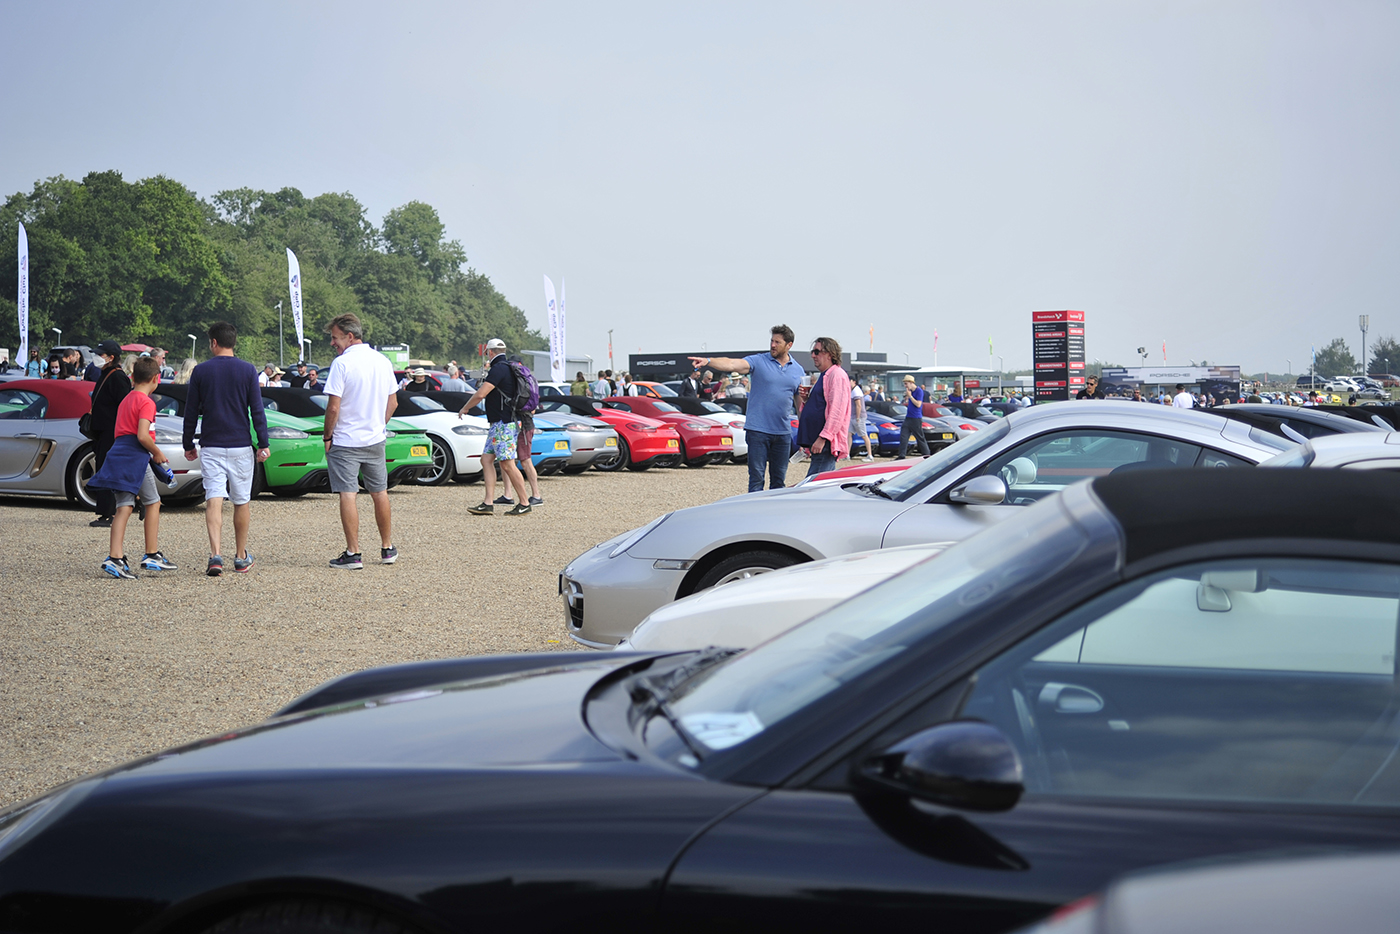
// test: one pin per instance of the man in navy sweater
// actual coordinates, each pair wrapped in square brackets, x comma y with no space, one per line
[224,389]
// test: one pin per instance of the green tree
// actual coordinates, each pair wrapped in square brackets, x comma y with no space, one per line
[1335,359]
[1385,353]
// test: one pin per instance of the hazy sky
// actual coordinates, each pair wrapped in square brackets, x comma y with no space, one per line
[1222,176]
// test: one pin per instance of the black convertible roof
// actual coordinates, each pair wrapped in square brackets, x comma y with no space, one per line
[1162,510]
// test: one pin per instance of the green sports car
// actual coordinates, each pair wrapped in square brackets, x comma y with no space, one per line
[407,452]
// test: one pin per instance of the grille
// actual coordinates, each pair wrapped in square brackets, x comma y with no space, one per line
[573,599]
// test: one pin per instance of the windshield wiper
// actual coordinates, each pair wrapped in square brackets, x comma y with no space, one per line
[874,488]
[642,691]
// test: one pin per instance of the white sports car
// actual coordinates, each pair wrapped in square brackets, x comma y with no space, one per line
[457,441]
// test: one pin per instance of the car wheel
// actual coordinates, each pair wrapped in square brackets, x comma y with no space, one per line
[308,916]
[444,464]
[81,466]
[623,459]
[744,565]
[574,470]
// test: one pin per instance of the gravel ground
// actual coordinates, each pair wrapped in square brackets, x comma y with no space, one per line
[95,671]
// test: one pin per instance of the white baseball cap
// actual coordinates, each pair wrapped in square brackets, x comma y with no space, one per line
[495,343]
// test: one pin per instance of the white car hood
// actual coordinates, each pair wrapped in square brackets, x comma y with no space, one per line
[745,613]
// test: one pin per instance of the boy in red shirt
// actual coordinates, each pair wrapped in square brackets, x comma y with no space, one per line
[127,472]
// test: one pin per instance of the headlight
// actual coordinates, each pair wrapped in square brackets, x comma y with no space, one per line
[287,434]
[24,820]
[166,436]
[467,430]
[637,535]
[391,434]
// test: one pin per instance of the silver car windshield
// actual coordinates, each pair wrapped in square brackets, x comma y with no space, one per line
[735,701]
[920,475]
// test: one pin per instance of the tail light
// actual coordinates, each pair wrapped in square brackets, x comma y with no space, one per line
[888,426]
[638,426]
[968,427]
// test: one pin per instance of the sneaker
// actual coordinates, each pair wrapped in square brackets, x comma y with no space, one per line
[388,555]
[157,561]
[216,566]
[869,457]
[485,509]
[117,567]
[536,501]
[244,564]
[522,510]
[348,561]
[504,501]
[101,522]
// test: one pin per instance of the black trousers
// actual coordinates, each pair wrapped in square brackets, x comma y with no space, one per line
[912,428]
[106,499]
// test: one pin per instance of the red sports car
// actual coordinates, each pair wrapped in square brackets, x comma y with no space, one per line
[702,442]
[642,442]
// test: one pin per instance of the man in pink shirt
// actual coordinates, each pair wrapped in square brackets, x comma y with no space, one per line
[824,427]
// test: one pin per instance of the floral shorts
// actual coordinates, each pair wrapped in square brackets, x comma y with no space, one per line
[500,440]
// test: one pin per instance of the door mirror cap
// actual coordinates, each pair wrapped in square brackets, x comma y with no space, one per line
[980,491]
[966,764]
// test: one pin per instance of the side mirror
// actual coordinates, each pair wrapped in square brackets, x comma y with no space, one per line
[980,491]
[965,764]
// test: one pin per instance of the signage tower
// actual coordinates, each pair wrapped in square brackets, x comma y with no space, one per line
[1057,351]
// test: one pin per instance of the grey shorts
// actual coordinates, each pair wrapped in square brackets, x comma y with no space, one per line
[149,496]
[228,473]
[348,464]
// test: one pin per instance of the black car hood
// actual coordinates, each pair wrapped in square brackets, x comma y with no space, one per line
[514,719]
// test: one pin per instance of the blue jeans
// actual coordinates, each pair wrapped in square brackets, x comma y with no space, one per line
[822,462]
[771,452]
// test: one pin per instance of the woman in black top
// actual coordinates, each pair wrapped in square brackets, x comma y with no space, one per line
[112,386]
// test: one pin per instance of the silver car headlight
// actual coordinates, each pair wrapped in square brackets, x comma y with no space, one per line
[468,430]
[166,436]
[287,434]
[637,535]
[24,820]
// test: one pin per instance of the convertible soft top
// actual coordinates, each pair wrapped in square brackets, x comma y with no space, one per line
[1162,510]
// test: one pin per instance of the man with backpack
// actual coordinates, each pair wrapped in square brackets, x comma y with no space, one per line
[507,395]
[527,401]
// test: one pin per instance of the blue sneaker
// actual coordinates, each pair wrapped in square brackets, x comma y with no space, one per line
[117,567]
[157,561]
[244,564]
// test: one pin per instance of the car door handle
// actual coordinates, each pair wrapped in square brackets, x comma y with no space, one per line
[27,434]
[1070,698]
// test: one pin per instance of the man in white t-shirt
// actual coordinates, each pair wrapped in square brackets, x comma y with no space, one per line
[1183,399]
[362,395]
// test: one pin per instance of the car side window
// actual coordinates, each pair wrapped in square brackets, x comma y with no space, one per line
[1211,458]
[18,403]
[619,406]
[166,405]
[1268,680]
[1047,464]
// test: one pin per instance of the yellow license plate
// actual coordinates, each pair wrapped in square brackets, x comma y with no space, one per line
[610,443]
[561,445]
[947,436]
[418,450]
[726,440]
[875,438]
[673,443]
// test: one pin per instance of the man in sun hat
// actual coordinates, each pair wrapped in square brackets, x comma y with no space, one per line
[418,380]
[913,425]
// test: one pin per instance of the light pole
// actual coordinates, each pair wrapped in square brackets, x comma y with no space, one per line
[1290,365]
[281,344]
[1365,322]
[906,359]
[59,333]
[193,340]
[1142,352]
[1001,363]
[307,342]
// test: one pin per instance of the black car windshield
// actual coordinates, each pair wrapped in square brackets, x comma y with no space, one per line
[664,406]
[425,404]
[925,472]
[734,701]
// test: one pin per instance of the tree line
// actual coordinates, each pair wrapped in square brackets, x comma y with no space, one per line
[150,262]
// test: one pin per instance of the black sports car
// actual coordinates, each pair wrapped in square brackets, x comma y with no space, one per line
[1148,668]
[1297,423]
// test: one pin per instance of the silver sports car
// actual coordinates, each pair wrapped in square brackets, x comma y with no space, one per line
[42,453]
[950,496]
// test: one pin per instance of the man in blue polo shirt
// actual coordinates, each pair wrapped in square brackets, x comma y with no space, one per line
[773,381]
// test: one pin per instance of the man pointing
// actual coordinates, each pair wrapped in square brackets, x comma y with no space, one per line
[774,378]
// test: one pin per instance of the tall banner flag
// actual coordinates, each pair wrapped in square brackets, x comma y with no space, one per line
[872,337]
[563,332]
[556,332]
[22,358]
[294,286]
